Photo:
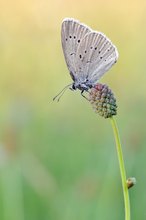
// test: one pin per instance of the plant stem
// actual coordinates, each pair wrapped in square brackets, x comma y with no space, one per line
[122,169]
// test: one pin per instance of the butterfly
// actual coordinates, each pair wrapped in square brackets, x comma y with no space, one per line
[88,54]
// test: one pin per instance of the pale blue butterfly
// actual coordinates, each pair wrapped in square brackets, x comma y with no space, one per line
[88,54]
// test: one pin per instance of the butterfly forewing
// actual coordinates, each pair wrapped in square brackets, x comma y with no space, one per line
[72,33]
[95,55]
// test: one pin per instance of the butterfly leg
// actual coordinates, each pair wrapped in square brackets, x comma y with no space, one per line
[84,95]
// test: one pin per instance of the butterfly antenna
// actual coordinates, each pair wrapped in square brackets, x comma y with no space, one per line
[60,94]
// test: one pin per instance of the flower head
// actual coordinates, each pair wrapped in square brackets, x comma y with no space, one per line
[103,101]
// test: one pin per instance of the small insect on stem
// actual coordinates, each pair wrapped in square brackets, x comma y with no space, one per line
[131,181]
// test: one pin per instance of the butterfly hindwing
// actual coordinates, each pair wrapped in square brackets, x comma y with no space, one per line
[95,55]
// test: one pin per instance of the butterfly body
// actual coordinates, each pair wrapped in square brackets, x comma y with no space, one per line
[82,85]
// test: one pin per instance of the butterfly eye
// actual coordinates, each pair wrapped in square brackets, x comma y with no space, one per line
[85,51]
[73,87]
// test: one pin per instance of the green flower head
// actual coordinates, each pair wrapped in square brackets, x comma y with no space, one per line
[103,101]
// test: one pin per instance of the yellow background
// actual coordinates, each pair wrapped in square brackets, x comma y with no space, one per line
[58,160]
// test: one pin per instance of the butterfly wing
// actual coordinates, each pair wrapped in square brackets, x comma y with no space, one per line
[95,55]
[72,33]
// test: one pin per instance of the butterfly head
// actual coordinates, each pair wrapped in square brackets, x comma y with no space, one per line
[83,86]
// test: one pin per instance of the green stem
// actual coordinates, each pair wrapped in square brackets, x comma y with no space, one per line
[122,169]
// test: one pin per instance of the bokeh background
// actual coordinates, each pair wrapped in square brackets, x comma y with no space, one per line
[58,160]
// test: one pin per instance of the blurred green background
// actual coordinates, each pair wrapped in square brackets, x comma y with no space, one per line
[58,160]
